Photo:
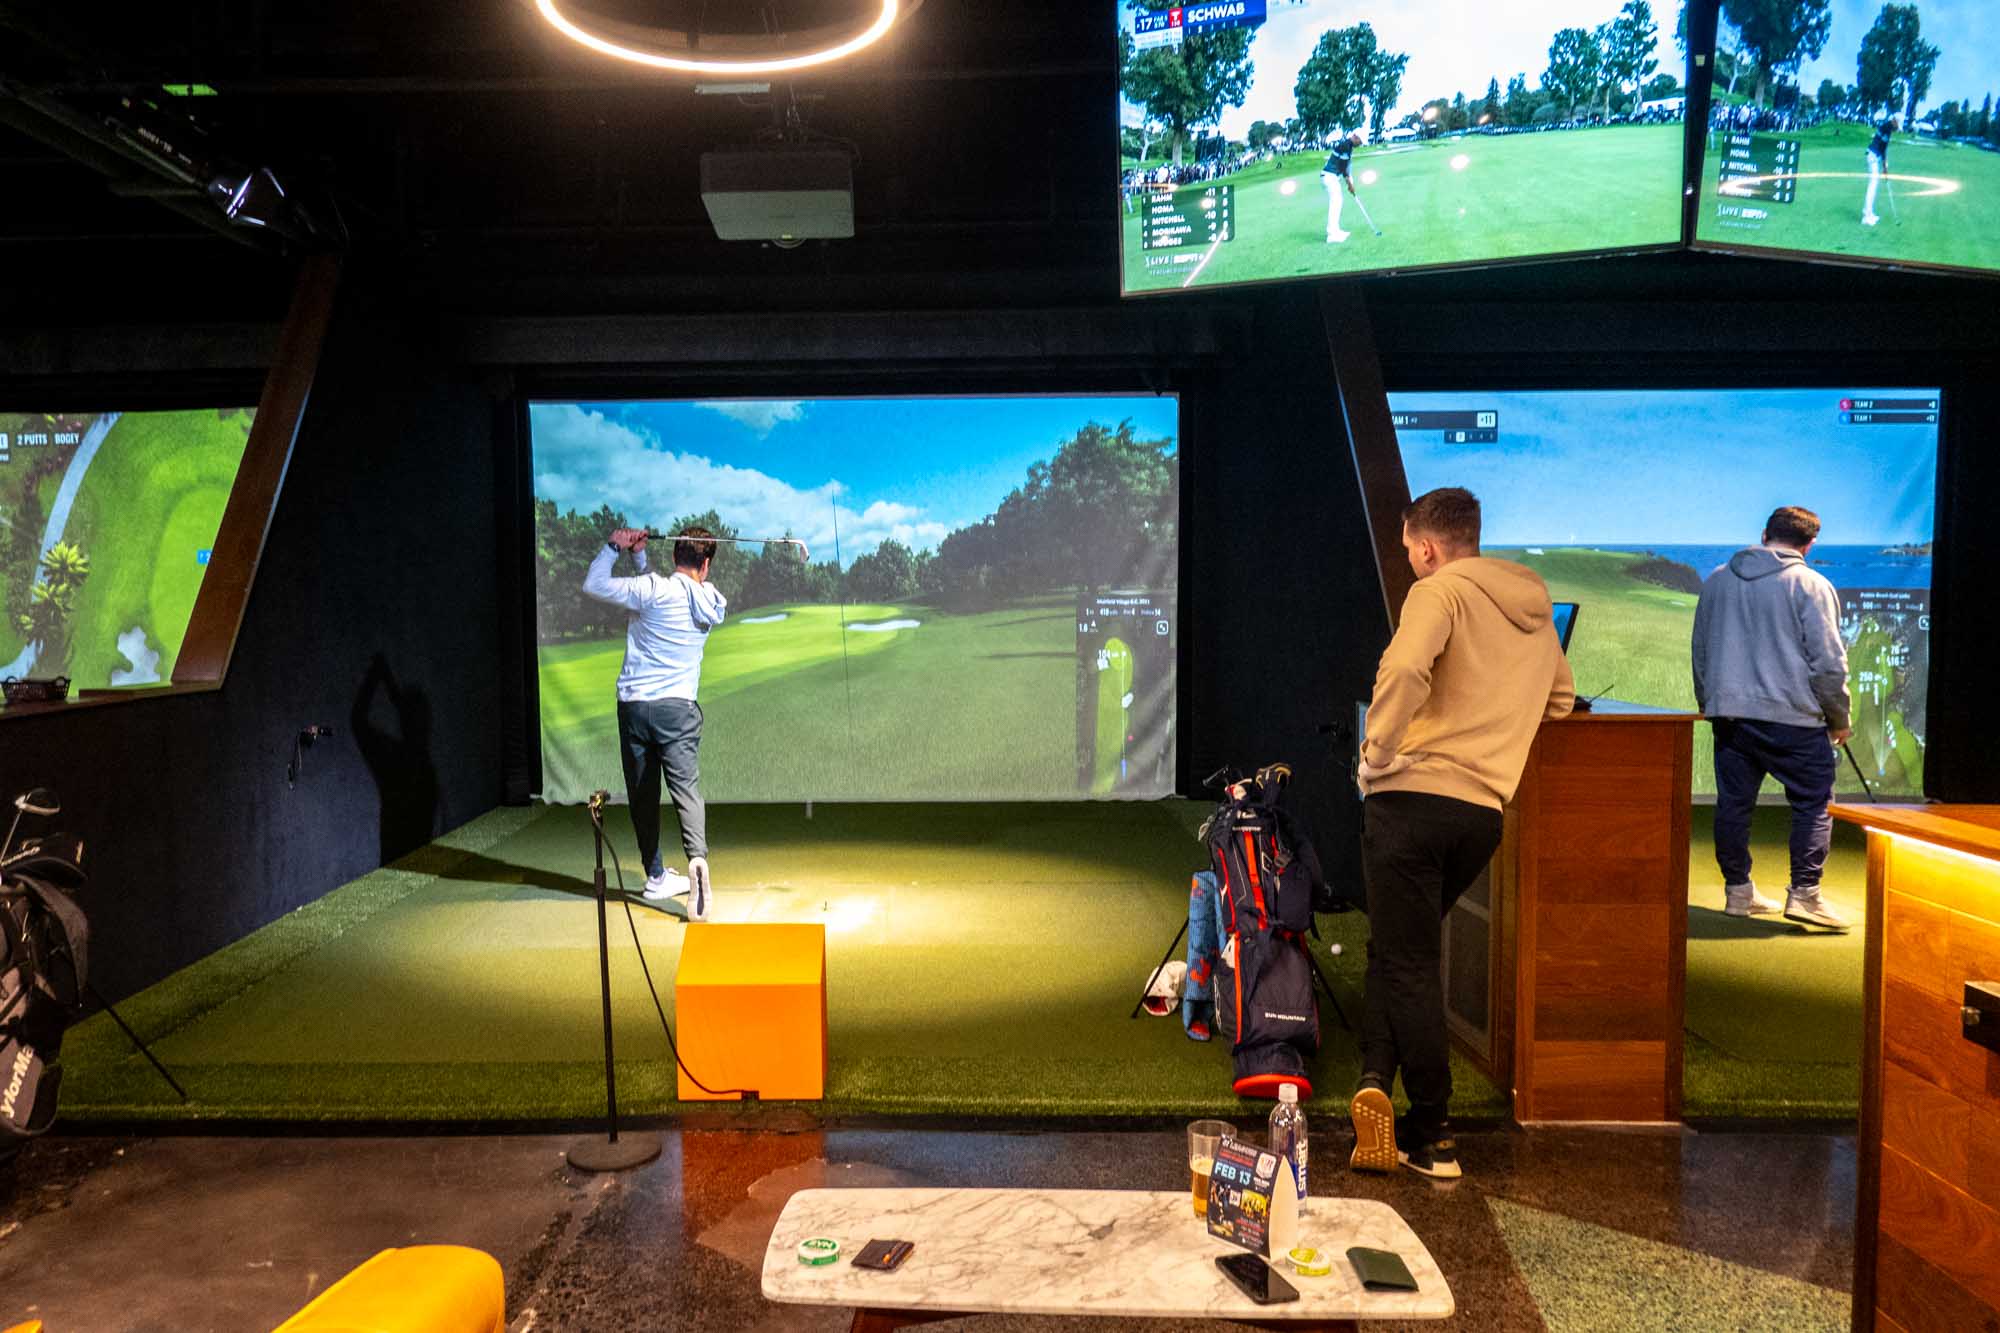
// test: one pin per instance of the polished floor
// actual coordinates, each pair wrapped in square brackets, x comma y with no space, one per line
[1563,1230]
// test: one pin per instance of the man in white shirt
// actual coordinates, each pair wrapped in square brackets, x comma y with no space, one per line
[659,722]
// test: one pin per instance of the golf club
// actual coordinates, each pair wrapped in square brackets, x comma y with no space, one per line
[758,541]
[36,801]
[1364,214]
[1857,770]
[1894,212]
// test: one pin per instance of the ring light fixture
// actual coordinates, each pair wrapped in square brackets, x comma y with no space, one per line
[669,49]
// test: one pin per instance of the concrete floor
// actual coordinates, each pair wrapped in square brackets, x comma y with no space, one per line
[1557,1230]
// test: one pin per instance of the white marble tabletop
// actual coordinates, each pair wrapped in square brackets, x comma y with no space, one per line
[1079,1252]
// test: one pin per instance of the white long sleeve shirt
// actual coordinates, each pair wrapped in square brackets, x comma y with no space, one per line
[667,623]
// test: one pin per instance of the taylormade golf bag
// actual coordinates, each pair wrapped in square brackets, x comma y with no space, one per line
[43,950]
[1270,887]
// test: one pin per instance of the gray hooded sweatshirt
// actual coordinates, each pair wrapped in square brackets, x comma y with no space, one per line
[1767,643]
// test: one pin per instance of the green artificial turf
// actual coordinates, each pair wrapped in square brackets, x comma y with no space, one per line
[1513,195]
[981,960]
[959,707]
[1945,217]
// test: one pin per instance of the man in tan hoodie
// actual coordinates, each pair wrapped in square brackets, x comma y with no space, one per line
[1473,669]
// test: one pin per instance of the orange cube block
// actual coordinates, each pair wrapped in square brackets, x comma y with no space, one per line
[751,1007]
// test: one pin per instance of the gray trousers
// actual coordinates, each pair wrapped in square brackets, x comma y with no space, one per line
[656,735]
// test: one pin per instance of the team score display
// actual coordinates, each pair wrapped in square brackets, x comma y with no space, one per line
[1188,217]
[1764,167]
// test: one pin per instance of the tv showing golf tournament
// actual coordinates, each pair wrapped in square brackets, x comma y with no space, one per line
[1855,130]
[1262,140]
[979,600]
[1626,501]
[106,524]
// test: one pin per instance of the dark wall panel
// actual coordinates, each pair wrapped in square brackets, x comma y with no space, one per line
[375,612]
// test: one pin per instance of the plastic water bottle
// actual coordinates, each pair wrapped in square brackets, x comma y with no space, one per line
[1288,1135]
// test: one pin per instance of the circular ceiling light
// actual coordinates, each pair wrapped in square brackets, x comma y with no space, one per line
[688,51]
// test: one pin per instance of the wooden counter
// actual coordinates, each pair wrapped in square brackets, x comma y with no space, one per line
[1927,1230]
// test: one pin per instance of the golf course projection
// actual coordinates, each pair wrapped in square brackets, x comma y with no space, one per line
[106,523]
[1853,129]
[1626,501]
[1269,139]
[983,606]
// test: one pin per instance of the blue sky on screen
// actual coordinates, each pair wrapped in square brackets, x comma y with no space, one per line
[1680,467]
[1453,45]
[1968,64]
[912,469]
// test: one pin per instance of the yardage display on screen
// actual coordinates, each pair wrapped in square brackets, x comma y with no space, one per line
[1626,501]
[1860,130]
[1262,140]
[984,607]
[107,521]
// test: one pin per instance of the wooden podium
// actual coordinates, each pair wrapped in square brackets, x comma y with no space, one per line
[1565,970]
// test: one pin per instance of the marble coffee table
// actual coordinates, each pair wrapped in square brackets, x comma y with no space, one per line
[1076,1252]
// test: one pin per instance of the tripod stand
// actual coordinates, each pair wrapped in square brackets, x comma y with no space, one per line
[610,1153]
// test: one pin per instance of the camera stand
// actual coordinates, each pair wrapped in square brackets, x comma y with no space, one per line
[610,1153]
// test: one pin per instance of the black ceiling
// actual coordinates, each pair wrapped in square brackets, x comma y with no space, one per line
[488,163]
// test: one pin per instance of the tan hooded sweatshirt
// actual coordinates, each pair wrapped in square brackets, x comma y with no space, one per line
[1472,671]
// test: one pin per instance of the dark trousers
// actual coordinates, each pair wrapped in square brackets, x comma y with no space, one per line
[656,735]
[1802,760]
[1419,852]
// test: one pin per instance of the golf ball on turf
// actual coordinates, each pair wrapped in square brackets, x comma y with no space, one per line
[1288,187]
[1461,162]
[1368,177]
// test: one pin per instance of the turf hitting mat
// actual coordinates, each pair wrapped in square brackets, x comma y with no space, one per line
[981,960]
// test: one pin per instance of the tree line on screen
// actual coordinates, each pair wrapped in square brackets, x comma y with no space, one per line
[1350,82]
[1097,514]
[38,593]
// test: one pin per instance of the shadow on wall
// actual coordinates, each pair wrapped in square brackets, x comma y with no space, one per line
[398,756]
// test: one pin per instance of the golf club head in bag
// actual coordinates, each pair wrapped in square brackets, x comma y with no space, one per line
[44,952]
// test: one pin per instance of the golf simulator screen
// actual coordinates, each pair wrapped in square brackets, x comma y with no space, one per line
[1262,140]
[1855,130]
[106,524]
[984,608]
[1626,501]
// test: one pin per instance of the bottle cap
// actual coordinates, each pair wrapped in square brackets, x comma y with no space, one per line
[1308,1262]
[1288,1092]
[819,1251]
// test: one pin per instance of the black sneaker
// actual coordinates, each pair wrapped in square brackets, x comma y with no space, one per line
[1435,1158]
[1374,1129]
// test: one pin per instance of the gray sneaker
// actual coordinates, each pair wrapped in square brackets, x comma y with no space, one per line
[1744,900]
[1808,909]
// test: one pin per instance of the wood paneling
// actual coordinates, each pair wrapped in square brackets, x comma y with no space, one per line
[1955,1232]
[1600,1080]
[1919,1297]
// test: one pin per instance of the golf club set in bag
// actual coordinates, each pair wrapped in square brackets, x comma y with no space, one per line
[44,967]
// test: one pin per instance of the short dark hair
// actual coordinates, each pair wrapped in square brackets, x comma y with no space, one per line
[1450,512]
[1791,525]
[693,547]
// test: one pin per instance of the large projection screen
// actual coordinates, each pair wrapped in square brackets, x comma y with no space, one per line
[1488,133]
[1626,500]
[986,608]
[107,521]
[1864,133]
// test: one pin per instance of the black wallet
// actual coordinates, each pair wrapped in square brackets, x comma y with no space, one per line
[885,1255]
[1381,1270]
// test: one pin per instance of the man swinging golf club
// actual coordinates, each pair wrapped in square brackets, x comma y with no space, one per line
[1338,179]
[1878,168]
[659,722]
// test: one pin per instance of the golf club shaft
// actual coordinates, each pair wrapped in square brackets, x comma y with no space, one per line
[760,541]
[1364,213]
[1857,770]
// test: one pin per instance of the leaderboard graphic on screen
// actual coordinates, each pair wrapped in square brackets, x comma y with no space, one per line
[1626,501]
[983,606]
[1855,129]
[1270,139]
[106,524]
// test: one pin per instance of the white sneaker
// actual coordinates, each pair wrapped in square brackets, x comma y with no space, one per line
[1744,900]
[669,883]
[1335,237]
[1809,909]
[702,898]
[1870,220]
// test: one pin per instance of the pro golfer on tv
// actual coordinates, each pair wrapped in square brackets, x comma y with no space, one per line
[659,723]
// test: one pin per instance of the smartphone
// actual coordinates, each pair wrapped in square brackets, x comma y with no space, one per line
[1381,1270]
[1257,1279]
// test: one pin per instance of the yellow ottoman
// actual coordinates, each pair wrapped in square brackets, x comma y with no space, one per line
[751,1005]
[420,1289]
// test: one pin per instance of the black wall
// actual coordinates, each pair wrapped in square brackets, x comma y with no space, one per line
[381,557]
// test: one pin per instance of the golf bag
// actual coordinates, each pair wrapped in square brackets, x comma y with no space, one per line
[1270,885]
[44,944]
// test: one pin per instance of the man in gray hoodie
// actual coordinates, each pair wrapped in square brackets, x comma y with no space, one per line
[1770,671]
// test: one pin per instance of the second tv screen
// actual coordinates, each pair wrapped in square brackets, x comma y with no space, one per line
[1263,140]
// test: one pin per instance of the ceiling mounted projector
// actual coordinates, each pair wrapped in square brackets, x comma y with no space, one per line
[784,195]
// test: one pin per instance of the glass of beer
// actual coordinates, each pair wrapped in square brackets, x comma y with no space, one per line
[1203,1136]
